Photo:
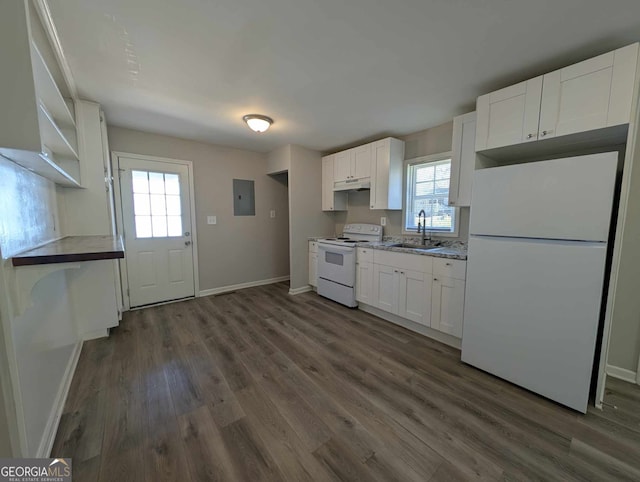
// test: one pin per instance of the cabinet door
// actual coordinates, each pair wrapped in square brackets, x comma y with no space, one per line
[361,167]
[331,201]
[447,305]
[463,159]
[414,296]
[342,166]
[593,94]
[364,282]
[509,116]
[313,269]
[385,288]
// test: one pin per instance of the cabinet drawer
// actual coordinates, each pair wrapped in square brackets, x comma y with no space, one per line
[413,262]
[449,268]
[364,255]
[313,246]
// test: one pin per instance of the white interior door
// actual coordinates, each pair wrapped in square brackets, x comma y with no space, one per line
[156,215]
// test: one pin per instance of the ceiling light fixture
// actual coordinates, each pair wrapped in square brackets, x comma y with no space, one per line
[257,122]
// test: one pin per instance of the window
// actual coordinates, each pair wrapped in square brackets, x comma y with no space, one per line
[156,204]
[428,189]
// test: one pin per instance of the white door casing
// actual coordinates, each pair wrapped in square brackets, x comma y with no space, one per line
[159,234]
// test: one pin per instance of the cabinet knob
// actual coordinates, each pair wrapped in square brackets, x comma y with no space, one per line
[447,264]
[529,136]
[401,272]
[395,270]
[372,206]
[435,279]
[544,133]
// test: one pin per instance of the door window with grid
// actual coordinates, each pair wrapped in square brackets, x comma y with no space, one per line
[428,190]
[156,204]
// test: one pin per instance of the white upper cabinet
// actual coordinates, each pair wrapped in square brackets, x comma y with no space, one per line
[509,116]
[386,178]
[361,162]
[353,164]
[342,166]
[463,159]
[331,201]
[593,94]
[37,121]
[377,164]
[589,95]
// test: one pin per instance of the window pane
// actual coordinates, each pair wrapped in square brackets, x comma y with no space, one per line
[143,226]
[159,226]
[430,192]
[141,204]
[442,187]
[156,182]
[173,205]
[443,171]
[425,174]
[172,183]
[174,224]
[424,188]
[140,181]
[157,205]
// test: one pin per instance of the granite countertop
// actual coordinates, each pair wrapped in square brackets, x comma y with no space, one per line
[71,249]
[438,249]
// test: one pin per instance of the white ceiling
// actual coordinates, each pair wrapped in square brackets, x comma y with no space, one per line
[330,72]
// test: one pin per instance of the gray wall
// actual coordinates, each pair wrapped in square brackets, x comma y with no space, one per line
[306,217]
[422,143]
[624,344]
[238,249]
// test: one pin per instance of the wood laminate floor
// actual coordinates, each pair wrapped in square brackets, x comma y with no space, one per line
[260,385]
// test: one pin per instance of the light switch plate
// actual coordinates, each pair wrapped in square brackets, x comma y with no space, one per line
[383,221]
[212,219]
[272,213]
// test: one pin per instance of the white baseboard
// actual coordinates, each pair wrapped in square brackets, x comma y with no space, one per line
[241,286]
[302,289]
[622,374]
[49,436]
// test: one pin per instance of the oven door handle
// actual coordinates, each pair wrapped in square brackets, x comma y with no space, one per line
[334,248]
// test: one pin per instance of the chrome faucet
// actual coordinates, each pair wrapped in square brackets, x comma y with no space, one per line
[423,225]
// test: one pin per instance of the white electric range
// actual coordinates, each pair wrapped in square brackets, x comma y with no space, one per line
[337,262]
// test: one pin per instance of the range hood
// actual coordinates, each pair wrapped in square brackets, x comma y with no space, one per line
[353,185]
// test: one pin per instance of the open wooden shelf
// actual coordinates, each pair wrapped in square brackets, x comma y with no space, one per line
[48,91]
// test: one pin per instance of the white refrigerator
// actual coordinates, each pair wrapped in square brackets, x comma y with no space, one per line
[535,273]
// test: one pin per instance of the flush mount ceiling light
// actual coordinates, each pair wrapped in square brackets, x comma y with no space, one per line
[257,122]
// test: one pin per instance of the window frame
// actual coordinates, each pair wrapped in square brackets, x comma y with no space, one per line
[442,156]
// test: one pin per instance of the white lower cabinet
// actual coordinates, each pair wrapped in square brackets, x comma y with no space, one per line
[385,288]
[313,263]
[431,293]
[414,296]
[447,305]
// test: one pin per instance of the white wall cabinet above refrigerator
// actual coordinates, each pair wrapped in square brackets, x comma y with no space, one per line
[594,94]
[463,159]
[37,119]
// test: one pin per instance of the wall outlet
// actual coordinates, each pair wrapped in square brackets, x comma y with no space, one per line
[212,219]
[383,221]
[272,213]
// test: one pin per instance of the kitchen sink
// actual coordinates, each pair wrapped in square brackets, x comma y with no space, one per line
[416,246]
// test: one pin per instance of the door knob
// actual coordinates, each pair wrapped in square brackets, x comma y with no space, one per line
[187,243]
